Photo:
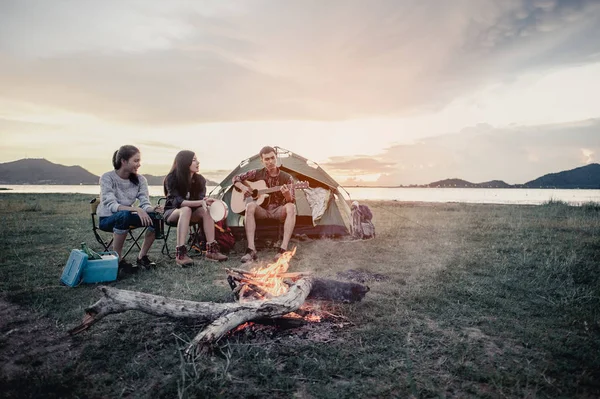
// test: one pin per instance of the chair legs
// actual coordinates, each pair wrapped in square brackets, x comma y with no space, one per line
[165,247]
[105,244]
[132,239]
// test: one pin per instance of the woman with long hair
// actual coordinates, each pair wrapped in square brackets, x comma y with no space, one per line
[187,203]
[119,190]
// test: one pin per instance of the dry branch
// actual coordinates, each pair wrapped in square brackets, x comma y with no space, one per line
[222,317]
[248,311]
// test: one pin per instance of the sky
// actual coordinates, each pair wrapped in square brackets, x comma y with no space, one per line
[392,92]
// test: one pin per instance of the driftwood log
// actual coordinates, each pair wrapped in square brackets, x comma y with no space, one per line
[322,289]
[220,317]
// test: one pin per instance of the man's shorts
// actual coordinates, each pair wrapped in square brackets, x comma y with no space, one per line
[275,213]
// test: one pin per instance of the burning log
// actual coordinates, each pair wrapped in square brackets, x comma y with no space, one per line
[337,291]
[250,274]
[322,289]
[271,280]
[266,293]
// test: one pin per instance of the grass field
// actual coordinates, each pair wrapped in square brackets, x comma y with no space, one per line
[479,301]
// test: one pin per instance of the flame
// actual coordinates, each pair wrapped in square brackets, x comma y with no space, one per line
[313,318]
[241,327]
[265,282]
[267,279]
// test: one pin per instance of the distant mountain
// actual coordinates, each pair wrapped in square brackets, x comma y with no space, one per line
[459,183]
[450,183]
[583,177]
[494,184]
[41,171]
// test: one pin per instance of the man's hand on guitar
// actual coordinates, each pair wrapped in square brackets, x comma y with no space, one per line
[247,192]
[244,189]
[286,192]
[259,192]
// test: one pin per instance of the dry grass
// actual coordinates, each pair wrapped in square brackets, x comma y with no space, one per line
[480,301]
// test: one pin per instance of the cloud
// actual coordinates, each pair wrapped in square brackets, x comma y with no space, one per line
[158,144]
[357,165]
[588,156]
[8,126]
[482,153]
[478,153]
[169,63]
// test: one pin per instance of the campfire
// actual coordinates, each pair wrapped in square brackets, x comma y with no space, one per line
[264,293]
[264,282]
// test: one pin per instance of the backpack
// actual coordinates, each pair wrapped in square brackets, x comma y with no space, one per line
[224,236]
[362,226]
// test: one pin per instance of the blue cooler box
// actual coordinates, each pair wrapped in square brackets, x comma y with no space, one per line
[74,268]
[101,270]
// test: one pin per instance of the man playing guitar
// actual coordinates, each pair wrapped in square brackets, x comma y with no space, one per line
[280,205]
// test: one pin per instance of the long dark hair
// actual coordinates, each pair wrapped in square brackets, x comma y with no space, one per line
[180,171]
[124,154]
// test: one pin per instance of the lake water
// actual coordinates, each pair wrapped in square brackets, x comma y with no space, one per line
[467,195]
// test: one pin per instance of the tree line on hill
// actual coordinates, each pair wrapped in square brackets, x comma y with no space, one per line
[42,171]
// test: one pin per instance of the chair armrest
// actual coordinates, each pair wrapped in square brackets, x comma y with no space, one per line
[94,202]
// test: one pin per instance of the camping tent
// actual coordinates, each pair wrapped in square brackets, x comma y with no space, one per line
[333,219]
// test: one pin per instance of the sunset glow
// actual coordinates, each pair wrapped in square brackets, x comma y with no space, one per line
[393,93]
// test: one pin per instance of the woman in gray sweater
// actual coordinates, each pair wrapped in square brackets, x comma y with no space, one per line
[119,190]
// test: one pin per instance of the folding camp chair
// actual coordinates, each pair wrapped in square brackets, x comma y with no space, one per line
[195,234]
[132,238]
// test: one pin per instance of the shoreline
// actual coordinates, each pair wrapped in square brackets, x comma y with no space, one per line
[370,201]
[517,187]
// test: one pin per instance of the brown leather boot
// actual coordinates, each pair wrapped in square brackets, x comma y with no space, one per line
[213,252]
[181,256]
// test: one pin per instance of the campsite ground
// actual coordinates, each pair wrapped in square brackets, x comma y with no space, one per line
[465,300]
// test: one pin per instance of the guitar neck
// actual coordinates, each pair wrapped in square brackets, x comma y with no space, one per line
[261,191]
[269,190]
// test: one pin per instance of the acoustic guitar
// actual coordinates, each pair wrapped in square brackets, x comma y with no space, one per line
[260,192]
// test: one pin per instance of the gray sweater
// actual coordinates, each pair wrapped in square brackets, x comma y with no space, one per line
[115,191]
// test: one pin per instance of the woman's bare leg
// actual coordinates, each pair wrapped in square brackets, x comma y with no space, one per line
[208,225]
[148,241]
[118,242]
[182,217]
